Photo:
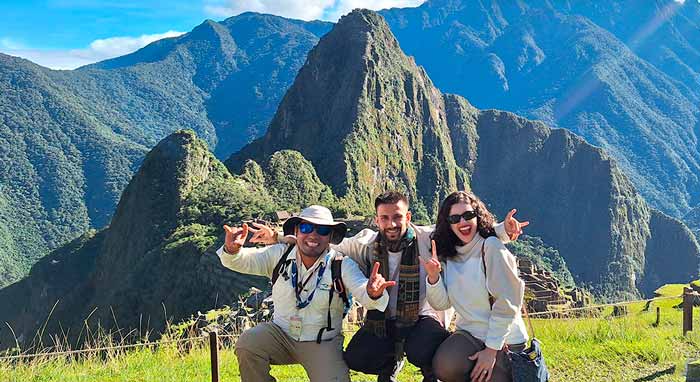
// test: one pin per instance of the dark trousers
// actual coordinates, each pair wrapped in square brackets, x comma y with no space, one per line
[452,363]
[374,355]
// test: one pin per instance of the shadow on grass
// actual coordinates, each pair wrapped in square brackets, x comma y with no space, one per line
[658,374]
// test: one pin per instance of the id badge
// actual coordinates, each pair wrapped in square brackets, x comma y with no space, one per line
[295,327]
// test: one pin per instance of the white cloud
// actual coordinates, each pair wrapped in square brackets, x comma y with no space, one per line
[301,9]
[345,6]
[98,50]
[297,9]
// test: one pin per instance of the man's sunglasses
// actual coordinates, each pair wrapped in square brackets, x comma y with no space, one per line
[454,219]
[307,228]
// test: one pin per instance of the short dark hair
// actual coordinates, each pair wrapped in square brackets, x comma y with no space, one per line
[389,197]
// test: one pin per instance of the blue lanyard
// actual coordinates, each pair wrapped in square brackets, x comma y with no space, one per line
[295,282]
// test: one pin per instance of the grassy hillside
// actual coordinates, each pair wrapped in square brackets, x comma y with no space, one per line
[599,348]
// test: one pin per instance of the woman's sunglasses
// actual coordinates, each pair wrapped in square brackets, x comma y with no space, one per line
[454,219]
[307,228]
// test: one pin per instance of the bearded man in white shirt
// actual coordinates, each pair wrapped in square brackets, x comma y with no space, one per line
[306,327]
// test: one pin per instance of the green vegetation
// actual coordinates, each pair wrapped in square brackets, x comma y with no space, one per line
[597,348]
[380,113]
[640,106]
[670,290]
[155,262]
[291,181]
[543,257]
[71,140]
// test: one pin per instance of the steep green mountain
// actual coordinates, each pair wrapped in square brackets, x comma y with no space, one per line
[290,179]
[235,71]
[60,170]
[154,261]
[394,129]
[630,89]
[582,204]
[664,33]
[359,91]
[70,140]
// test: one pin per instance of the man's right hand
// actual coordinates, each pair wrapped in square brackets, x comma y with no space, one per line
[432,266]
[235,238]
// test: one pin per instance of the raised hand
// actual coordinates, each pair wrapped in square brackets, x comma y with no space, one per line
[514,228]
[235,238]
[262,234]
[432,266]
[376,283]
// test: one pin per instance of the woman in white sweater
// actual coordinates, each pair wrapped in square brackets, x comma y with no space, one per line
[472,271]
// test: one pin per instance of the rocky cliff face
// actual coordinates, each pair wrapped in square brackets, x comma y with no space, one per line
[671,253]
[429,144]
[557,180]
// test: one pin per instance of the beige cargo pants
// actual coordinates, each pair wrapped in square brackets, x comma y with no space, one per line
[266,344]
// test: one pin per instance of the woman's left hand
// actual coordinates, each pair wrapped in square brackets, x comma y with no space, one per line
[485,360]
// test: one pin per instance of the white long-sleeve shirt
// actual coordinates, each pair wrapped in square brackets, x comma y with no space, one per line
[262,261]
[464,286]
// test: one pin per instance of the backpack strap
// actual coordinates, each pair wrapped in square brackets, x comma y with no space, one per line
[337,286]
[276,270]
[492,300]
[336,275]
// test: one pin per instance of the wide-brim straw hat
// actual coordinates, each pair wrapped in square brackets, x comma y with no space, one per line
[317,215]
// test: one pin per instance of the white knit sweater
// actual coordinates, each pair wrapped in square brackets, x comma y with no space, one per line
[463,285]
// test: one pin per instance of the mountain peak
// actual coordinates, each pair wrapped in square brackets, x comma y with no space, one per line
[358,90]
[150,204]
[171,170]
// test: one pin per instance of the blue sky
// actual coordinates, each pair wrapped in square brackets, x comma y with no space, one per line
[64,34]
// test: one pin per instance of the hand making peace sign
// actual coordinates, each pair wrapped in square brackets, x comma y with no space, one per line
[432,266]
[376,283]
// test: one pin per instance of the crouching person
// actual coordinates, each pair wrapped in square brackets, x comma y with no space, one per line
[310,285]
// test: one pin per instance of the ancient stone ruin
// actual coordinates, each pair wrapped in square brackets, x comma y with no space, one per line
[543,293]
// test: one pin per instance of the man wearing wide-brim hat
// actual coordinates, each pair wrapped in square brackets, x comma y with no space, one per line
[306,327]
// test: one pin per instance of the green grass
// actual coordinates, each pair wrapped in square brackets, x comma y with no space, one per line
[670,290]
[599,348]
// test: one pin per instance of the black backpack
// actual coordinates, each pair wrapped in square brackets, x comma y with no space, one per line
[337,284]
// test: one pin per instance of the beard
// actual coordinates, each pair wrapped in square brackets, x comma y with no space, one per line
[393,239]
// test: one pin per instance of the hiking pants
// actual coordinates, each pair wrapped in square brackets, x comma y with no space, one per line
[267,344]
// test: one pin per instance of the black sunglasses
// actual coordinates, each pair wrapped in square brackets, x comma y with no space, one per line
[307,228]
[468,215]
